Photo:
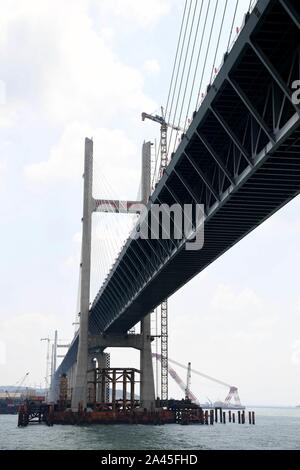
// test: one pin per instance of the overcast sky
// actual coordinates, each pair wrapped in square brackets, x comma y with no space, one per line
[71,69]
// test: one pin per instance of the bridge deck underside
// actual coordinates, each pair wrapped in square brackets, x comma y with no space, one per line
[258,199]
[240,158]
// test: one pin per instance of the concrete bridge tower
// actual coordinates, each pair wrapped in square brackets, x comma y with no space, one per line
[142,341]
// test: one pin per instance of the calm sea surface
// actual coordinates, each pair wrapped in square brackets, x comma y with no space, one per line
[276,428]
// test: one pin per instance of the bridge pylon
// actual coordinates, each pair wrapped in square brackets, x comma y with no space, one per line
[79,395]
[80,389]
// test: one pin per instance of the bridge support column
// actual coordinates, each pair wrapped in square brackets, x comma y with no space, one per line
[54,390]
[147,390]
[80,390]
[103,362]
[71,376]
[91,387]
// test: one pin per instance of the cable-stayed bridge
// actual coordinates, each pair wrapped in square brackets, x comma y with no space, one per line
[239,157]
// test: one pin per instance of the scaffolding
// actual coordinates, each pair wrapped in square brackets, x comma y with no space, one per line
[106,381]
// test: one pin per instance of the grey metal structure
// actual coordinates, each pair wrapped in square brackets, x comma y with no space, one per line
[239,157]
[107,366]
[164,375]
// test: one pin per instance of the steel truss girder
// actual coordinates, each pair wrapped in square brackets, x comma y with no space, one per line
[257,129]
[251,108]
[274,74]
[231,135]
[291,12]
[205,180]
[216,157]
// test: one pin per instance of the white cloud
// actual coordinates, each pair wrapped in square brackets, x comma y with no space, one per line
[140,12]
[2,353]
[72,262]
[228,300]
[108,34]
[77,238]
[295,357]
[247,317]
[110,231]
[7,118]
[79,87]
[79,77]
[8,111]
[152,67]
[108,236]
[3,167]
[88,82]
[22,349]
[66,157]
[2,92]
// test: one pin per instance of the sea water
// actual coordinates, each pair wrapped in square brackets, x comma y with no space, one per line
[276,428]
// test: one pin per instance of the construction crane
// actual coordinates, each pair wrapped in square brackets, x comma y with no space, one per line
[160,119]
[188,380]
[184,387]
[232,394]
[47,362]
[188,393]
[164,306]
[18,385]
[164,125]
[21,382]
[9,400]
[233,391]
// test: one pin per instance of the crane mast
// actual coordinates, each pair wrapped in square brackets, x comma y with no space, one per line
[188,381]
[164,306]
[47,362]
[232,394]
[184,387]
[163,148]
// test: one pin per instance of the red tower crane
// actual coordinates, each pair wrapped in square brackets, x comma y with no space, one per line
[232,394]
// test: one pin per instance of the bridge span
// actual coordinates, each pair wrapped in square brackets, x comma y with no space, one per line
[240,158]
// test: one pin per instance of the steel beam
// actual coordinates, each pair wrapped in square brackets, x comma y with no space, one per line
[260,121]
[202,176]
[274,74]
[231,135]
[291,12]
[216,157]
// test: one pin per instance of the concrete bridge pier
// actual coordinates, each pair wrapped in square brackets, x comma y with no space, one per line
[103,362]
[54,390]
[141,342]
[91,392]
[71,374]
[147,389]
[79,395]
[82,388]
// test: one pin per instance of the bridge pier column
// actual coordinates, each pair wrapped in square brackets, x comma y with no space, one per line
[103,362]
[79,396]
[91,388]
[54,390]
[70,375]
[147,389]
